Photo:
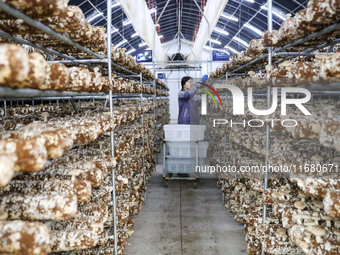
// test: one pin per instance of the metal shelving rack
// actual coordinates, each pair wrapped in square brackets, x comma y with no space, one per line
[11,94]
[142,123]
[289,55]
[270,56]
[316,89]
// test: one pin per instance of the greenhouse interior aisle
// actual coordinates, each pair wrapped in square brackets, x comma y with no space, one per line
[182,220]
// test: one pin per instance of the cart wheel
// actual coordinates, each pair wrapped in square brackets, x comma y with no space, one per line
[166,183]
[194,184]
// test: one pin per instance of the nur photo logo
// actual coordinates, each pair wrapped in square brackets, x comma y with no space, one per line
[238,104]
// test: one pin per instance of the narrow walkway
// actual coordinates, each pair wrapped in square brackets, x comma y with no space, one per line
[180,220]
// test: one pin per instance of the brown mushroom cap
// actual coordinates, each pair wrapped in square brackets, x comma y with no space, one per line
[303,245]
[300,205]
[316,128]
[317,158]
[302,195]
[275,195]
[281,230]
[45,115]
[308,233]
[238,187]
[309,223]
[317,231]
[286,63]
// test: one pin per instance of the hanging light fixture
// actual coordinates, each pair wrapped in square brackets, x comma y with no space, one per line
[258,31]
[120,43]
[221,31]
[95,16]
[131,50]
[240,41]
[134,35]
[231,49]
[277,14]
[215,41]
[227,16]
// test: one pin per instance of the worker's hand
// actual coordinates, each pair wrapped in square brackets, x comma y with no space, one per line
[204,78]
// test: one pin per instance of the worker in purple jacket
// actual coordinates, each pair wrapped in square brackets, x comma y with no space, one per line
[188,101]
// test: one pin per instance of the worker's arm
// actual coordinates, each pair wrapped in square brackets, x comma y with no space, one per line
[189,93]
[197,99]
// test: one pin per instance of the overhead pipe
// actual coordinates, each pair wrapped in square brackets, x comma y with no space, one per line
[210,32]
[189,47]
[179,28]
[154,34]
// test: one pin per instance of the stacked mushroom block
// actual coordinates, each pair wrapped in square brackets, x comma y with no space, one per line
[318,15]
[70,21]
[56,169]
[302,207]
[20,69]
[62,200]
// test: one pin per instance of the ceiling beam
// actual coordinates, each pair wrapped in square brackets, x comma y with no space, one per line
[139,14]
[212,12]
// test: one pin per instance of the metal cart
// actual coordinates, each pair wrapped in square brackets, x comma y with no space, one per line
[182,165]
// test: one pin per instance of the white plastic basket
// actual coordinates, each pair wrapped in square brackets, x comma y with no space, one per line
[184,132]
[182,166]
[188,149]
[179,166]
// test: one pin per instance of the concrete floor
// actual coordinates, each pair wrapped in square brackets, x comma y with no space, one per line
[180,220]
